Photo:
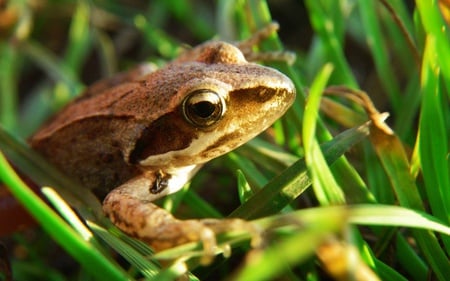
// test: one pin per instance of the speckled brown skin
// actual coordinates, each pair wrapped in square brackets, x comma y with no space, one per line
[127,137]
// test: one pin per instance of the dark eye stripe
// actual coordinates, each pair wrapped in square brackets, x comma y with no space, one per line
[167,133]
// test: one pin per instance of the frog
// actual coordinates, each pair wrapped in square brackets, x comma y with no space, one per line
[143,134]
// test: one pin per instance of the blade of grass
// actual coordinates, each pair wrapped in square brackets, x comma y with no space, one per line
[395,216]
[294,249]
[157,38]
[377,46]
[376,177]
[402,28]
[105,47]
[267,155]
[433,137]
[10,59]
[146,267]
[51,65]
[327,190]
[87,255]
[254,175]
[364,214]
[387,273]
[325,187]
[435,26]
[183,10]
[393,158]
[67,213]
[200,206]
[244,189]
[409,258]
[287,186]
[175,271]
[324,27]
[8,89]
[403,125]
[80,38]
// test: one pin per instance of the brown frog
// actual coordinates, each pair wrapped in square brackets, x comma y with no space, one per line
[141,135]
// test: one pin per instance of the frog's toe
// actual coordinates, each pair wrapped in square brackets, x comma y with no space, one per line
[236,225]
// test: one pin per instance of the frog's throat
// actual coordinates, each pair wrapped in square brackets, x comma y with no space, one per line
[140,187]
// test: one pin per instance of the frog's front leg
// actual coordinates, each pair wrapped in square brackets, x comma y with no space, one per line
[131,209]
[146,221]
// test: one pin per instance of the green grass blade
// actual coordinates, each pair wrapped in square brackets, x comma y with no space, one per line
[244,189]
[324,27]
[410,259]
[318,221]
[387,273]
[200,206]
[393,157]
[185,12]
[294,248]
[66,212]
[254,175]
[87,255]
[395,216]
[435,26]
[51,65]
[378,48]
[157,38]
[284,188]
[325,187]
[138,260]
[261,151]
[434,139]
[80,38]
[8,90]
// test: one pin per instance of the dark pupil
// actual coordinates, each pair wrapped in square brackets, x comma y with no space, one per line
[203,109]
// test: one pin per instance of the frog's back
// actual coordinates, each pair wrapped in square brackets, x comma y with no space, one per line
[90,139]
[88,151]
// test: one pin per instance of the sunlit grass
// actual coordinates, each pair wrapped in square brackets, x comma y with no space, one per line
[395,185]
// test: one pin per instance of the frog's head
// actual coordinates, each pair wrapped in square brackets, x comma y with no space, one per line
[220,101]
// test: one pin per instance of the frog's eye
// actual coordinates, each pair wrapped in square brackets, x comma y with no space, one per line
[203,108]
